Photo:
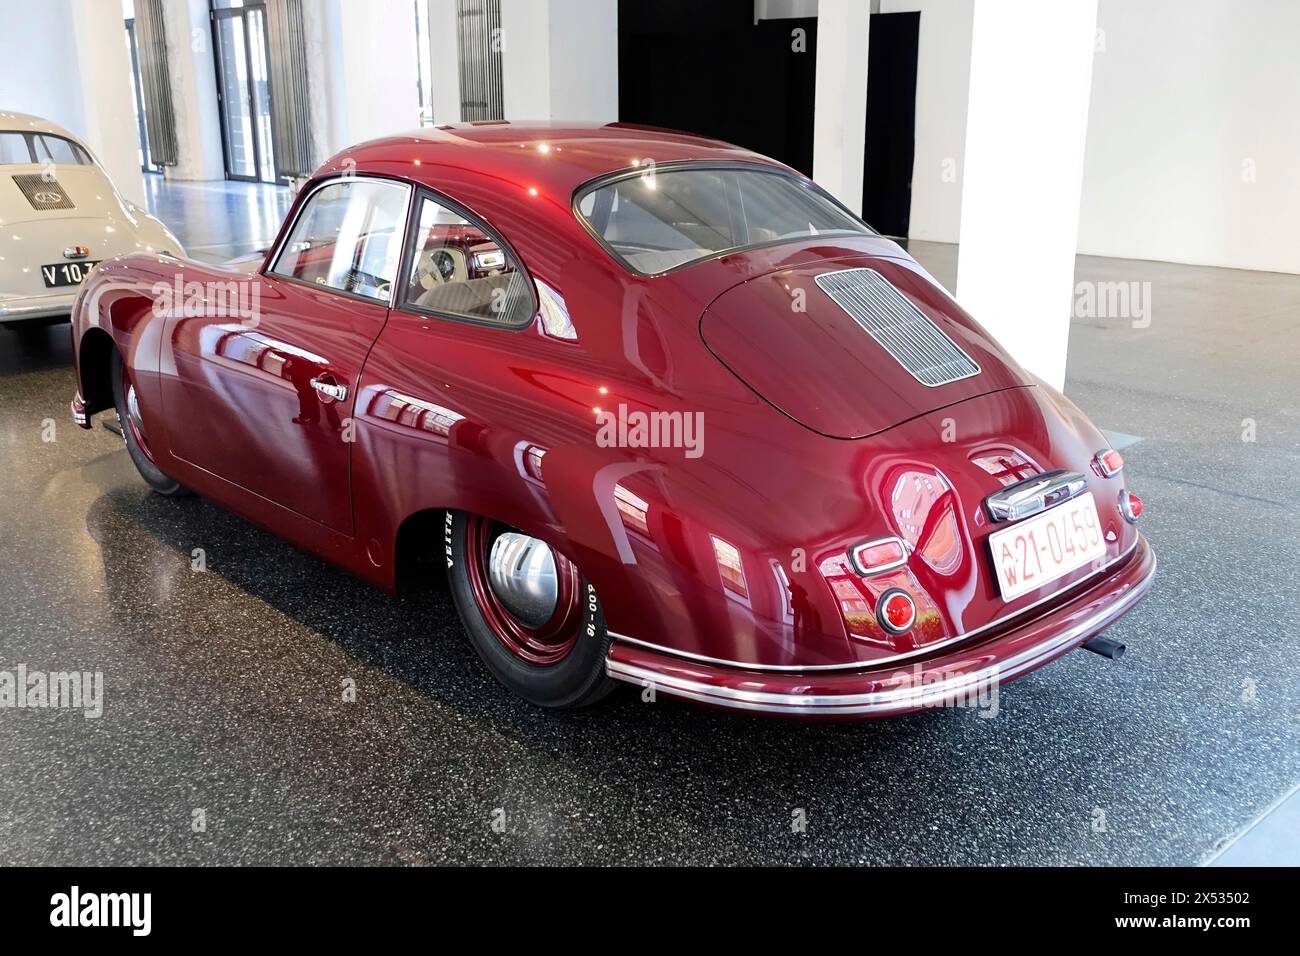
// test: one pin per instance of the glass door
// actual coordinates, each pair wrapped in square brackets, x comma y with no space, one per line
[243,90]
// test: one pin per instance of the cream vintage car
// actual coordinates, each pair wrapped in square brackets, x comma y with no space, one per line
[60,216]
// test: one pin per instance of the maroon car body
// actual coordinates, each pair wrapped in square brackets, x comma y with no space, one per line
[723,577]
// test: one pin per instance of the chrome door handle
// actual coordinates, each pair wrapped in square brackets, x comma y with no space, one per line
[336,392]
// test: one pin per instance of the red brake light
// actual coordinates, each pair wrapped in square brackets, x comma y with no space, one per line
[1131,505]
[896,611]
[1107,462]
[874,557]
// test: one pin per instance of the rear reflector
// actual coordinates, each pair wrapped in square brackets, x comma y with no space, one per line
[875,557]
[1131,506]
[896,611]
[1107,462]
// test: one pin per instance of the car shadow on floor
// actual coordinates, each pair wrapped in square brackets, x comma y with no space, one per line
[417,640]
[35,346]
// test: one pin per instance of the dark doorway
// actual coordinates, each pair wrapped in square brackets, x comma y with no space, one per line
[708,68]
[891,122]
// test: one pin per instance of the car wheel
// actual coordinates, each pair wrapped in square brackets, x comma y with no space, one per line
[133,433]
[532,617]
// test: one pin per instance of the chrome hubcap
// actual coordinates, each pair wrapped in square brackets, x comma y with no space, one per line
[521,573]
[133,410]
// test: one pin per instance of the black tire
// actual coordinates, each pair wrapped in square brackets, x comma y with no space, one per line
[577,680]
[155,479]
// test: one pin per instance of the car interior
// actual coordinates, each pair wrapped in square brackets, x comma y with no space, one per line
[461,270]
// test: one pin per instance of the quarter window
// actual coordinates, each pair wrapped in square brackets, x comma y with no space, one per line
[458,268]
[348,237]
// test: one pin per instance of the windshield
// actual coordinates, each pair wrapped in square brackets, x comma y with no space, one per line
[21,148]
[661,219]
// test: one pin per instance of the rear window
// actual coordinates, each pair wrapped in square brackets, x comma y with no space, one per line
[19,148]
[658,220]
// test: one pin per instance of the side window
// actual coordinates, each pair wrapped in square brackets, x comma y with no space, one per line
[459,268]
[348,237]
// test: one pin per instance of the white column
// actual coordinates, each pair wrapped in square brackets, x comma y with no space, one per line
[840,108]
[444,57]
[380,70]
[560,59]
[1026,124]
[362,71]
[193,73]
[103,64]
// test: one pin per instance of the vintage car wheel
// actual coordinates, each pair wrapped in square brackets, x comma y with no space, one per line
[530,614]
[133,433]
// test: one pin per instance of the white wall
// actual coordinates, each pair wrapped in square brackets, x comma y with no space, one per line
[1194,139]
[560,59]
[1190,100]
[67,61]
[29,81]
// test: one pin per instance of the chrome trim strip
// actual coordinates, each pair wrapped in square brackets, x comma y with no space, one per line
[902,698]
[864,665]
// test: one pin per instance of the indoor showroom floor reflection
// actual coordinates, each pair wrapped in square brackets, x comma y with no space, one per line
[223,737]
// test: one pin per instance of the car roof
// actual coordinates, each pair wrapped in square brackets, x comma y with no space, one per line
[27,123]
[559,156]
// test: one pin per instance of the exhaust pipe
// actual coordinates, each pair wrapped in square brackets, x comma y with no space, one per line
[1105,647]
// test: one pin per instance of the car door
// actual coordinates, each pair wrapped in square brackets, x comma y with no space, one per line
[262,395]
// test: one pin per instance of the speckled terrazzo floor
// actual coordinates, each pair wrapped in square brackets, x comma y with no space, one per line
[223,688]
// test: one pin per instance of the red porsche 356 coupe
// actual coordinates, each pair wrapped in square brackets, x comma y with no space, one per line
[677,416]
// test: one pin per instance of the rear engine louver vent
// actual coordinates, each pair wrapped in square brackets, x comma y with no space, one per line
[898,326]
[43,193]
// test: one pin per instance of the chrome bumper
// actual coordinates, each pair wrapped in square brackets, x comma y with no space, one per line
[960,673]
[17,308]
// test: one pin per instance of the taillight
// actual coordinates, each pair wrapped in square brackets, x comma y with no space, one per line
[1131,506]
[1108,462]
[896,611]
[874,557]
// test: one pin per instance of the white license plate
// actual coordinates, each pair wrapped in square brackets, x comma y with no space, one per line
[1047,546]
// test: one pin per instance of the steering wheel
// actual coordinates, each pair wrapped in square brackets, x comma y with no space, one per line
[437,267]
